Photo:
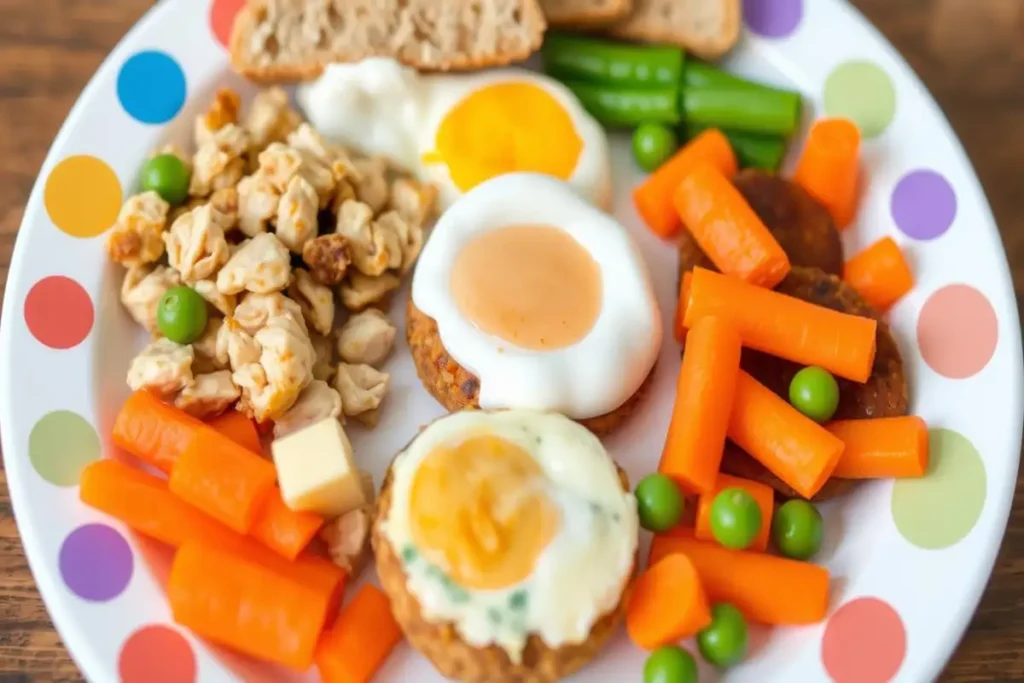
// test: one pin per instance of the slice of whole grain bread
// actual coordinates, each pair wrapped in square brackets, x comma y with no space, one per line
[581,13]
[707,28]
[287,40]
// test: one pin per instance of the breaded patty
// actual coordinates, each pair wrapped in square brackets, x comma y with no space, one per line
[456,388]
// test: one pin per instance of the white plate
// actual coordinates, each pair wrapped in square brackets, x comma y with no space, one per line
[909,561]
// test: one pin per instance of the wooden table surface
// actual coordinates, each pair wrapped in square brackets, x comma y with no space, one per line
[970,54]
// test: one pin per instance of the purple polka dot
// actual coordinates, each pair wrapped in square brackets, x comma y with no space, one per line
[96,562]
[923,204]
[773,18]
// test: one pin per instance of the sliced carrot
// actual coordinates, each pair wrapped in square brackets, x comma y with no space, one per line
[666,604]
[226,481]
[882,447]
[653,197]
[762,493]
[880,274]
[829,167]
[361,639]
[282,529]
[795,448]
[765,588]
[785,326]
[239,429]
[728,230]
[152,430]
[235,602]
[684,296]
[704,399]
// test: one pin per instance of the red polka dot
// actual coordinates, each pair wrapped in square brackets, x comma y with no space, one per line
[58,312]
[157,654]
[222,18]
[864,642]
[957,331]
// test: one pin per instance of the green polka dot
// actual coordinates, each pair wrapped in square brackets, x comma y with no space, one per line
[60,445]
[941,508]
[863,92]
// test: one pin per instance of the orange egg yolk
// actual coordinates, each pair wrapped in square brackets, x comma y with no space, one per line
[504,128]
[480,508]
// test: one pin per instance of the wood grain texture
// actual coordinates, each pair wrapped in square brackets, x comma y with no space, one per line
[970,53]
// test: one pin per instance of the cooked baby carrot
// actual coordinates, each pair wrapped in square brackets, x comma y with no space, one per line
[881,447]
[152,430]
[785,326]
[666,604]
[704,399]
[226,481]
[653,197]
[239,429]
[762,493]
[795,448]
[684,296]
[235,602]
[727,229]
[829,167]
[360,640]
[282,529]
[880,274]
[772,590]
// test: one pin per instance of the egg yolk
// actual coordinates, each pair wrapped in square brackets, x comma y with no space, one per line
[480,508]
[504,128]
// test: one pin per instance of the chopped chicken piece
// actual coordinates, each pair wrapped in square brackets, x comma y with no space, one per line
[288,356]
[137,237]
[219,163]
[359,291]
[225,208]
[255,309]
[414,201]
[327,257]
[318,401]
[235,347]
[263,265]
[223,111]
[297,214]
[270,118]
[347,539]
[205,349]
[323,368]
[142,289]
[371,182]
[366,337]
[362,388]
[163,367]
[280,163]
[372,249]
[344,192]
[196,247]
[369,419]
[261,400]
[258,200]
[208,395]
[389,233]
[315,300]
[224,303]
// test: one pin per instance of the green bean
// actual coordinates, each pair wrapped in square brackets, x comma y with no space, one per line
[712,97]
[628,107]
[753,150]
[577,58]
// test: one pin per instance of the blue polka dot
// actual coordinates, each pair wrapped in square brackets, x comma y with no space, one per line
[151,87]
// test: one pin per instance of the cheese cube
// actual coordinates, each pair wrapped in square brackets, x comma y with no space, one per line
[316,472]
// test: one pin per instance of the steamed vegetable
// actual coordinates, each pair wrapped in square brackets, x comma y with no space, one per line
[168,176]
[724,641]
[181,315]
[628,107]
[715,98]
[670,664]
[882,447]
[659,502]
[761,493]
[667,604]
[578,58]
[153,431]
[880,274]
[798,529]
[814,392]
[829,167]
[360,640]
[735,518]
[653,144]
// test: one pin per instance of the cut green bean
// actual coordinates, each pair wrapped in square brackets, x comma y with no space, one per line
[628,107]
[578,58]
[753,150]
[752,110]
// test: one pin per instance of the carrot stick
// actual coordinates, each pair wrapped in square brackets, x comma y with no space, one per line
[235,602]
[282,529]
[684,296]
[882,447]
[239,429]
[762,493]
[829,166]
[880,274]
[226,481]
[785,326]
[152,430]
[704,399]
[360,640]
[769,589]
[653,197]
[667,604]
[728,230]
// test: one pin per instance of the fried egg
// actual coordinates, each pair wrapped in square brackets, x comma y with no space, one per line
[511,523]
[540,295]
[458,130]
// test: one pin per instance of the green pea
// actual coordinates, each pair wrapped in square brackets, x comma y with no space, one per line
[653,144]
[815,393]
[659,502]
[181,315]
[798,529]
[166,175]
[724,641]
[670,664]
[735,518]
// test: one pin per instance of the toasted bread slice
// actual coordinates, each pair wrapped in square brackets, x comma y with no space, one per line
[584,13]
[288,40]
[707,28]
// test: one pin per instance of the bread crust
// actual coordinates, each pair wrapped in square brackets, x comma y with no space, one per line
[578,16]
[648,26]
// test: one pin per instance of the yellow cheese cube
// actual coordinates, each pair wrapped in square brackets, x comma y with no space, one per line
[316,472]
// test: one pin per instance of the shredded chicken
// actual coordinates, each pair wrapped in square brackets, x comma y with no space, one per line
[225,208]
[262,265]
[366,337]
[373,250]
[137,237]
[196,247]
[414,201]
[297,214]
[142,289]
[163,367]
[219,162]
[389,233]
[224,303]
[205,349]
[371,182]
[362,388]
[323,367]
[315,300]
[270,118]
[288,356]
[256,309]
[347,539]
[223,111]
[359,291]
[327,257]
[235,347]
[258,201]
[318,401]
[208,394]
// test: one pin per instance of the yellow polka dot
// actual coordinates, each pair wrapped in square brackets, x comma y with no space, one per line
[82,196]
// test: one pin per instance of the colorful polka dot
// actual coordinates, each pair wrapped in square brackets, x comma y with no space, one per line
[773,18]
[96,562]
[861,91]
[864,642]
[222,18]
[82,196]
[58,312]
[942,507]
[957,331]
[151,87]
[60,445]
[923,205]
[156,654]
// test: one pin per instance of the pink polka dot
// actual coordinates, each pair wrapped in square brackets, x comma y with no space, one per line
[957,331]
[864,642]
[222,18]
[58,312]
[156,654]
